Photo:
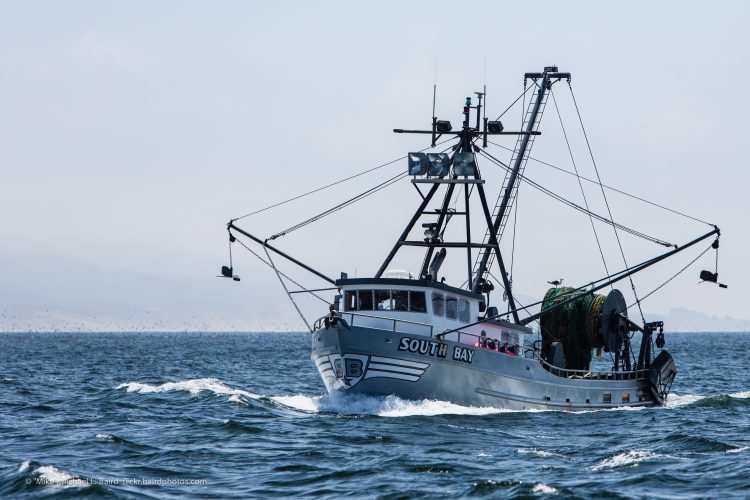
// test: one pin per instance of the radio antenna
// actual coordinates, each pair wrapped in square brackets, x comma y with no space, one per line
[484,111]
[434,94]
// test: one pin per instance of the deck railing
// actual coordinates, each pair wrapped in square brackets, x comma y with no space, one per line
[588,374]
[394,321]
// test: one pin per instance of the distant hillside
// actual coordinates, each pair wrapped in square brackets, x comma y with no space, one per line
[685,320]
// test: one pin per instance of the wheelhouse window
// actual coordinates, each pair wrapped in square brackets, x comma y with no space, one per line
[463,310]
[417,302]
[438,304]
[400,300]
[383,300]
[365,300]
[350,301]
[451,307]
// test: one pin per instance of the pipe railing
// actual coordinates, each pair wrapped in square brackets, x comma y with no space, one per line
[321,321]
[588,374]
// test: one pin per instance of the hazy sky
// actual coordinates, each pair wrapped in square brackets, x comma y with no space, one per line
[130,132]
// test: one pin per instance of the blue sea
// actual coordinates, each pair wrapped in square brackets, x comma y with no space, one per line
[223,415]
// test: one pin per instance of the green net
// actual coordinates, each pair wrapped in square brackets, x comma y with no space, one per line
[576,325]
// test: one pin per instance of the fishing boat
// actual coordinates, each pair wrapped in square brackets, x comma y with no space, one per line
[416,336]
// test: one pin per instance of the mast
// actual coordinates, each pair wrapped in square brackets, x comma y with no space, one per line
[466,136]
[546,77]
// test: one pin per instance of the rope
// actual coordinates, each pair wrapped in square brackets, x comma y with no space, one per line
[606,202]
[283,285]
[342,205]
[514,102]
[580,184]
[671,278]
[348,202]
[284,275]
[335,183]
[677,212]
[577,207]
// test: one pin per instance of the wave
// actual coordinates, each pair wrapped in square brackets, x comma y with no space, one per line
[677,400]
[359,404]
[715,400]
[384,406]
[543,489]
[51,476]
[539,453]
[632,457]
[738,450]
[193,386]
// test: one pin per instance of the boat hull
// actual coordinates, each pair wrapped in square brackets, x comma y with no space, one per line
[376,362]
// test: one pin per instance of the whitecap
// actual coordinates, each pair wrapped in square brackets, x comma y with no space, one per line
[49,475]
[193,386]
[106,437]
[738,450]
[740,395]
[632,457]
[677,400]
[538,453]
[543,488]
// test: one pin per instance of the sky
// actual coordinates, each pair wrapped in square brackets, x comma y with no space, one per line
[131,132]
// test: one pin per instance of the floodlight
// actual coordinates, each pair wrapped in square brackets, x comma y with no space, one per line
[464,164]
[495,127]
[443,126]
[439,164]
[418,164]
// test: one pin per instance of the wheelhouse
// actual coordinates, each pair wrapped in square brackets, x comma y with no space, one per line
[422,307]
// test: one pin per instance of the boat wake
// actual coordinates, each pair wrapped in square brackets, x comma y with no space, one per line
[340,404]
[384,406]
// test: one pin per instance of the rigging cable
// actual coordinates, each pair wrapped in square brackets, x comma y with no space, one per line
[677,212]
[577,207]
[334,183]
[283,285]
[523,95]
[284,275]
[580,184]
[606,202]
[344,204]
[671,278]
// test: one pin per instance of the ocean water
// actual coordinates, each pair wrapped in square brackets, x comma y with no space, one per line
[246,415]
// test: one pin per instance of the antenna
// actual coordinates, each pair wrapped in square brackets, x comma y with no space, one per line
[434,94]
[484,90]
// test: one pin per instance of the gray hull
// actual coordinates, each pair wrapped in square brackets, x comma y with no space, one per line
[376,362]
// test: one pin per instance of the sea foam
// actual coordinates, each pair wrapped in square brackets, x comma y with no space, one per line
[51,476]
[387,406]
[193,386]
[632,457]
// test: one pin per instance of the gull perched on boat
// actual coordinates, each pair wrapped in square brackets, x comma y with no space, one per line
[556,283]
